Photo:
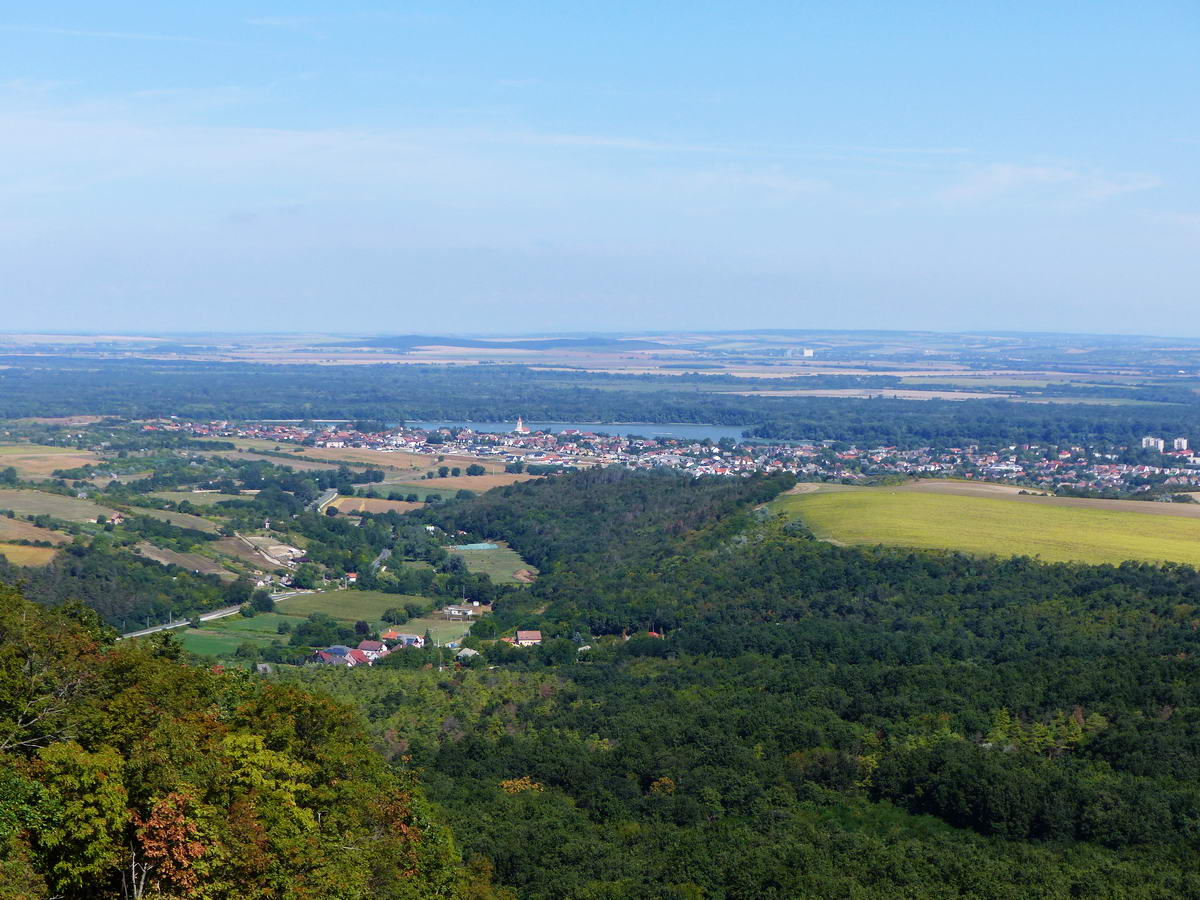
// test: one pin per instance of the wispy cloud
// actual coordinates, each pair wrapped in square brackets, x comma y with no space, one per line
[608,142]
[116,35]
[288,22]
[1055,183]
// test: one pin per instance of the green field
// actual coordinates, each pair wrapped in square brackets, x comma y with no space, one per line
[221,637]
[35,503]
[212,640]
[421,488]
[201,499]
[499,565]
[181,520]
[349,606]
[983,525]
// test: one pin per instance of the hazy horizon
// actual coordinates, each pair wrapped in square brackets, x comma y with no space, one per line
[461,170]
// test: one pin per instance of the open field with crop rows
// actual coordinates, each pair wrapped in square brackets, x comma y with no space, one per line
[1055,529]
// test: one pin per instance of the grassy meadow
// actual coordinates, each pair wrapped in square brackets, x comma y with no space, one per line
[36,503]
[500,565]
[221,637]
[984,525]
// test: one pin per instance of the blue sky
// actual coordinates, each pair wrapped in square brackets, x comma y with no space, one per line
[602,166]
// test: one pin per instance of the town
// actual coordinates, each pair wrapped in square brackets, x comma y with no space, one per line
[1158,469]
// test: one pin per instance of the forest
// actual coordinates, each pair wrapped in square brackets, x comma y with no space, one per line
[811,720]
[721,706]
[125,773]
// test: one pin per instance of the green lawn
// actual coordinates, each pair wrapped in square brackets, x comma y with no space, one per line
[986,526]
[499,565]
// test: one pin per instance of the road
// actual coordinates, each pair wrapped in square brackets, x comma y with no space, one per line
[181,623]
[206,617]
[324,500]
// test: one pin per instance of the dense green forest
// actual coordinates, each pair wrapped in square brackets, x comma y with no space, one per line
[721,707]
[394,393]
[125,773]
[815,720]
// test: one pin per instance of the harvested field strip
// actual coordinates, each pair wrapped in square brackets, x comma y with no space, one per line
[372,505]
[17,530]
[34,461]
[193,562]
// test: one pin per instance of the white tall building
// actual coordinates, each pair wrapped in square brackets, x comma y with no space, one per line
[1179,444]
[1153,443]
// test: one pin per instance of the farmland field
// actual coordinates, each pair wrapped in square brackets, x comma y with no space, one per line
[295,461]
[193,562]
[231,546]
[222,637]
[34,461]
[199,499]
[35,503]
[1056,531]
[20,555]
[182,520]
[500,565]
[477,483]
[349,606]
[372,505]
[424,488]
[211,641]
[17,530]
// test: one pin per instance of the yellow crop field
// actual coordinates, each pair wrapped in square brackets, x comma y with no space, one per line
[985,525]
[20,555]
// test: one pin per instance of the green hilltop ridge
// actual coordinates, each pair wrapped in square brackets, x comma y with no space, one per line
[126,773]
